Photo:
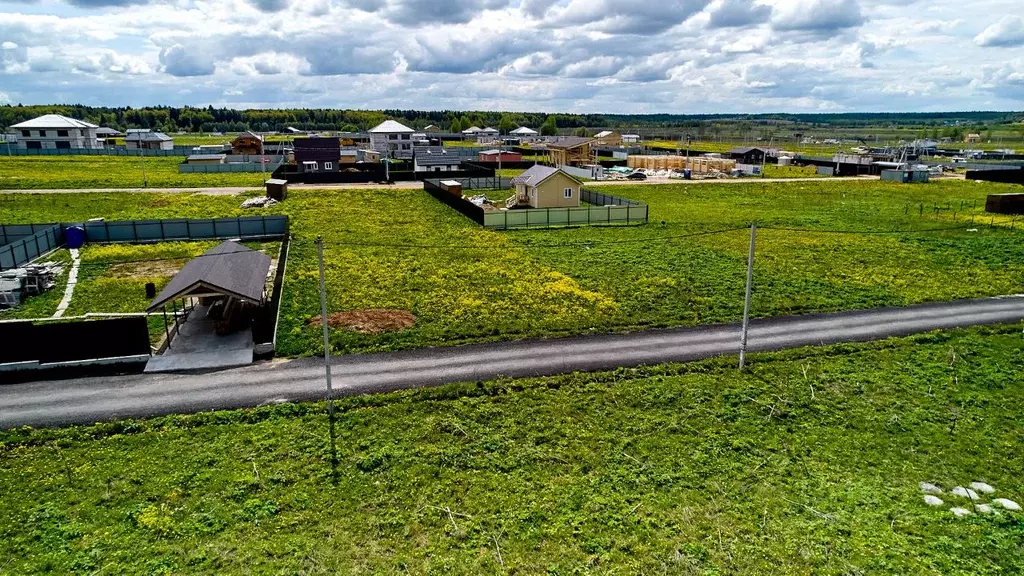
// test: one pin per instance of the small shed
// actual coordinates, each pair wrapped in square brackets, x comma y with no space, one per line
[277,189]
[500,155]
[907,176]
[748,155]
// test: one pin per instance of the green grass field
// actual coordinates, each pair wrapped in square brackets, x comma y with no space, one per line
[71,172]
[401,249]
[808,464]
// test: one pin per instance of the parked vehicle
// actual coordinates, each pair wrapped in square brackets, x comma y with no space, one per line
[637,176]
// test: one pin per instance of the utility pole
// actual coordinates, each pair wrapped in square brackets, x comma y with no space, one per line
[746,302]
[142,158]
[323,321]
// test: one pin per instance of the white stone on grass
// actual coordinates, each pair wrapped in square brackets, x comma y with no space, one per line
[983,488]
[1008,504]
[986,509]
[960,512]
[929,488]
[965,493]
[933,500]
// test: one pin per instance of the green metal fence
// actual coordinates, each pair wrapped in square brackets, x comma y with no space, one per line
[565,217]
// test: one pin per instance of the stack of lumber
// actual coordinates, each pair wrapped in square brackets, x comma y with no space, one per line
[698,164]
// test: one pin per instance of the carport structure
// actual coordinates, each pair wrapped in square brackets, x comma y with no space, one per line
[229,283]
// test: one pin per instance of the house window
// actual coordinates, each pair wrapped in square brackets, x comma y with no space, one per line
[392,136]
[26,133]
[42,133]
[34,145]
[62,133]
[63,145]
[568,193]
[328,165]
[405,136]
[437,168]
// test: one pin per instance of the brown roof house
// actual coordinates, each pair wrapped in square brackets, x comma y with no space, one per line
[545,187]
[247,143]
[571,151]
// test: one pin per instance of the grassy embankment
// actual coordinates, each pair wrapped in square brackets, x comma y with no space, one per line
[809,464]
[401,249]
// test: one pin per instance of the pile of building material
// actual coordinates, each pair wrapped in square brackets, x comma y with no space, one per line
[17,284]
[696,164]
[259,202]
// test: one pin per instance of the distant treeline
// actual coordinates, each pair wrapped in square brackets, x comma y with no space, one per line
[210,119]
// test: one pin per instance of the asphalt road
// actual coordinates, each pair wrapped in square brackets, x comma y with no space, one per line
[87,400]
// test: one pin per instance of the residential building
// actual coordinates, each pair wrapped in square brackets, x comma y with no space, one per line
[390,137]
[471,131]
[630,138]
[500,155]
[107,136]
[317,154]
[348,156]
[973,138]
[146,139]
[524,132]
[546,187]
[608,138]
[247,143]
[748,155]
[54,131]
[571,151]
[437,163]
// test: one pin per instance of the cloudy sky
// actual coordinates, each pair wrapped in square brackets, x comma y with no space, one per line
[679,56]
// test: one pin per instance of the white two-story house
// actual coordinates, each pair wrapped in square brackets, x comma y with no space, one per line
[392,139]
[54,131]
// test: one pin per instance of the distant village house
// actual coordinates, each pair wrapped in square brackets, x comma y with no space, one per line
[56,132]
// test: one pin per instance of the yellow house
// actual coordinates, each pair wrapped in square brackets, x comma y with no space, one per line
[546,187]
[973,138]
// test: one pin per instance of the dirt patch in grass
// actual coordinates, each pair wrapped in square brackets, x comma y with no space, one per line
[157,269]
[370,321]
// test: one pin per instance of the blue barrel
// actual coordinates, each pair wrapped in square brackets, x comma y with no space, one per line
[687,174]
[74,236]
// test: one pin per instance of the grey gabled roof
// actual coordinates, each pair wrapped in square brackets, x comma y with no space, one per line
[229,269]
[535,175]
[146,136]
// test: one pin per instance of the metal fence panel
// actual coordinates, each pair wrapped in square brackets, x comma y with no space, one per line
[179,229]
[31,247]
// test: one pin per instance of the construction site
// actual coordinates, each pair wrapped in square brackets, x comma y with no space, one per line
[698,166]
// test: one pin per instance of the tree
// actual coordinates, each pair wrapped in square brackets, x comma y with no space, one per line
[550,128]
[581,132]
[506,125]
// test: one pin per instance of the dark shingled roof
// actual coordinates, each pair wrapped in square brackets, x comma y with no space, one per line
[229,269]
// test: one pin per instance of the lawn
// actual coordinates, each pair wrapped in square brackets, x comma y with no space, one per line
[401,249]
[808,464]
[64,172]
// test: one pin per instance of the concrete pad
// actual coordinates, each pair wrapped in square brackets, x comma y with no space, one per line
[198,347]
